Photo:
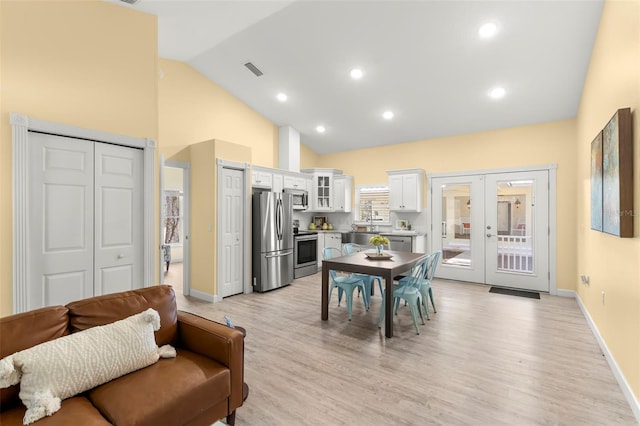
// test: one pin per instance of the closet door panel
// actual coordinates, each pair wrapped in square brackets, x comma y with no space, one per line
[118,219]
[61,220]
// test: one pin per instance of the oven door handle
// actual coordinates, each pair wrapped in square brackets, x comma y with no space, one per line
[279,255]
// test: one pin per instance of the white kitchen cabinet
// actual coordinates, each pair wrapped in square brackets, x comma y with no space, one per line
[261,179]
[328,239]
[405,190]
[278,183]
[293,182]
[342,187]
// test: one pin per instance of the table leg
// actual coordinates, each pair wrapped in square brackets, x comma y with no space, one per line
[325,293]
[388,306]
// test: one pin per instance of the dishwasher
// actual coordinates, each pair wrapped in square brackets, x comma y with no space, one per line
[400,243]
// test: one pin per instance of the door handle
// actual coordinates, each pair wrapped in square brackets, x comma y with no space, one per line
[279,255]
[489,235]
[121,256]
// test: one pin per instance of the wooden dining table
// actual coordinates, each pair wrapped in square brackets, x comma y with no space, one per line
[399,263]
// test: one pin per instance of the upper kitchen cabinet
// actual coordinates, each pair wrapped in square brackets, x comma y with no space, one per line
[342,187]
[261,178]
[405,190]
[321,196]
[295,182]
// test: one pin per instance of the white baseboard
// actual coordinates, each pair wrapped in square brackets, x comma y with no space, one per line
[565,293]
[202,295]
[622,382]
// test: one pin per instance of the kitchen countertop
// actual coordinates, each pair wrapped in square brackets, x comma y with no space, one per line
[393,232]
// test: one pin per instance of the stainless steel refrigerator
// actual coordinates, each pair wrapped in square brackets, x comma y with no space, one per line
[272,240]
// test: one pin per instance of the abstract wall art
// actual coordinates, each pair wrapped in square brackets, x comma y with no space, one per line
[617,175]
[596,183]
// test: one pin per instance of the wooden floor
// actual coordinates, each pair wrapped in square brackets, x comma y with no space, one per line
[483,359]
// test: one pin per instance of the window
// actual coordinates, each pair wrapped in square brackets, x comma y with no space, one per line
[173,217]
[372,204]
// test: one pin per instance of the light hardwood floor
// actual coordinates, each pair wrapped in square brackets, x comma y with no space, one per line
[483,359]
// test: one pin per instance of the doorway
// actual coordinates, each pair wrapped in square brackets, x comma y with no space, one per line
[494,228]
[174,225]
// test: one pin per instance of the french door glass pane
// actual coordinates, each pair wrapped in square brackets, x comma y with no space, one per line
[515,226]
[456,224]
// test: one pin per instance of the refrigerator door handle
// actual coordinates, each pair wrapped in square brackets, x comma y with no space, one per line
[279,255]
[279,219]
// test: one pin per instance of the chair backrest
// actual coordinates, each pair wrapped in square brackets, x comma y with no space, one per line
[417,275]
[330,253]
[351,248]
[431,267]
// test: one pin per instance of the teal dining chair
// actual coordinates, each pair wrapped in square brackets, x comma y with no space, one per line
[346,284]
[352,248]
[426,291]
[410,292]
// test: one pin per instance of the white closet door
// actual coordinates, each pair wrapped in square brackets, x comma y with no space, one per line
[61,205]
[232,233]
[118,219]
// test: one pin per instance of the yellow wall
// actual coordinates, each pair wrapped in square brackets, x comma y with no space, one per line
[308,158]
[202,240]
[193,109]
[516,147]
[84,63]
[613,82]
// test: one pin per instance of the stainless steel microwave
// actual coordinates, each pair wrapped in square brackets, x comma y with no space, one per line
[300,198]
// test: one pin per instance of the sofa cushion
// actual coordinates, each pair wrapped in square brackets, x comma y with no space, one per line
[22,331]
[74,411]
[169,392]
[66,366]
[106,309]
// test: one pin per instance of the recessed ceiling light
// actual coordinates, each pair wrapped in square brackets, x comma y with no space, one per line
[356,73]
[387,115]
[488,30]
[497,92]
[320,129]
[281,97]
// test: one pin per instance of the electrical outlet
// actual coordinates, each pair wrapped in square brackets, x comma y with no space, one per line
[603,297]
[584,279]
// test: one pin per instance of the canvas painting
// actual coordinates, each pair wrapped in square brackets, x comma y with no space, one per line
[596,183]
[617,175]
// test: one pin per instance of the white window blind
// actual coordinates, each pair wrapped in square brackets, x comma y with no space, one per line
[373,204]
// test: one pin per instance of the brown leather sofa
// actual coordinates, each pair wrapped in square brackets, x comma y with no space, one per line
[201,385]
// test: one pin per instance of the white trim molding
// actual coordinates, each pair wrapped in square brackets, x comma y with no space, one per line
[204,296]
[634,404]
[21,125]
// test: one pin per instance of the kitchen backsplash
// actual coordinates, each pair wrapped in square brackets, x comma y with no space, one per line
[343,221]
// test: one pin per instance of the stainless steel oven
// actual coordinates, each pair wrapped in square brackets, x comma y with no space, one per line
[305,254]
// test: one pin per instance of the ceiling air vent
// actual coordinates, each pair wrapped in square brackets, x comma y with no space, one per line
[252,68]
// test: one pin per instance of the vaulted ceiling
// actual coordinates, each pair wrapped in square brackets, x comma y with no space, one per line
[425,61]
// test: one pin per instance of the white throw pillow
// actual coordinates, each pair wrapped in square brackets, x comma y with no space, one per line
[64,367]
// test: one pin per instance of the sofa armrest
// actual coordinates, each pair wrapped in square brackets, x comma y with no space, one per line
[216,341]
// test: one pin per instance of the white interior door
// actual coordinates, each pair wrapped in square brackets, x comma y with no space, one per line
[118,219]
[232,234]
[60,220]
[493,228]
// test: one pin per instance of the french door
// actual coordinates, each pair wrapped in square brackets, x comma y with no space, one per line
[493,228]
